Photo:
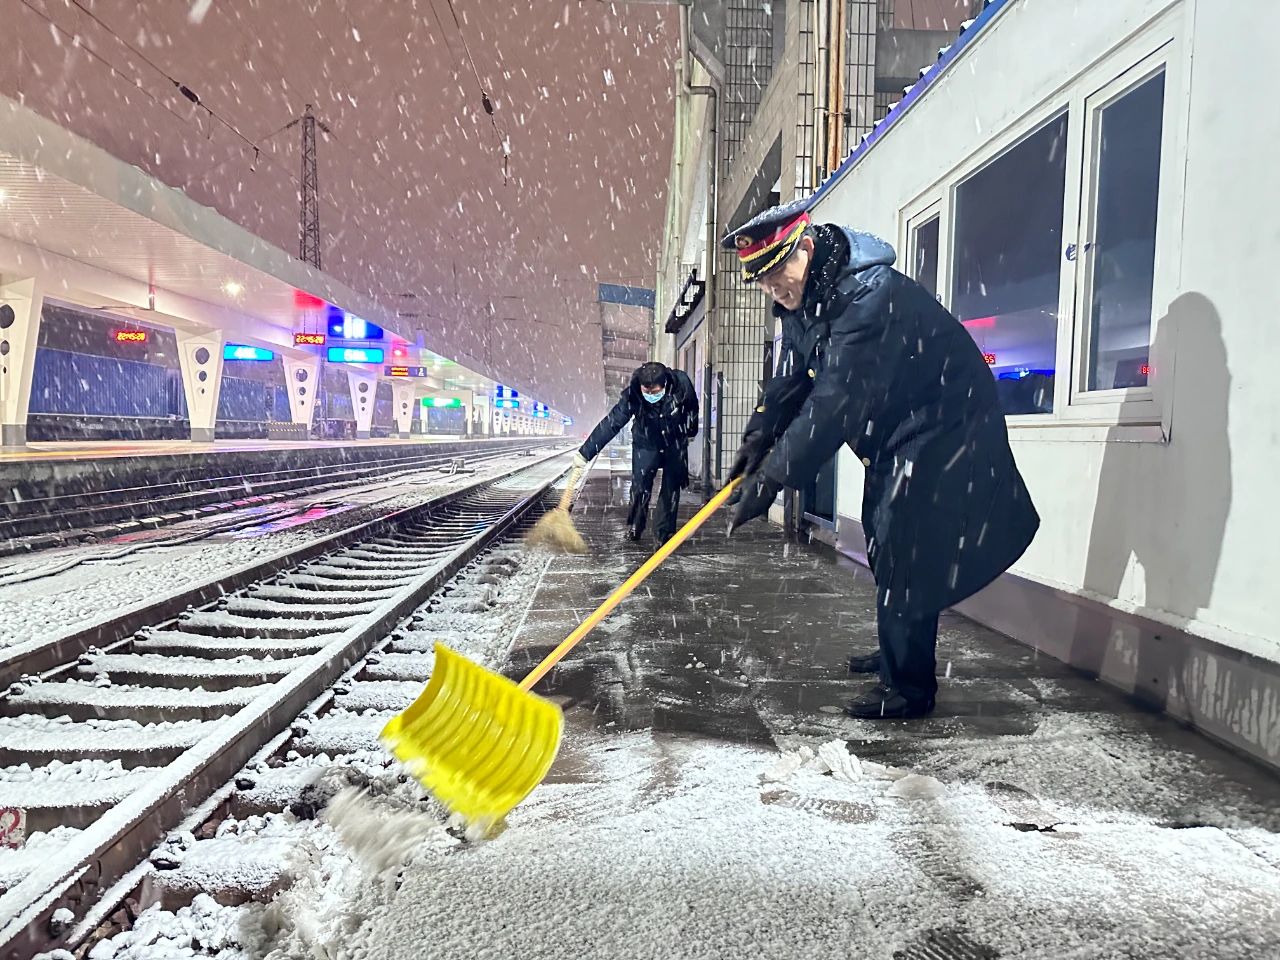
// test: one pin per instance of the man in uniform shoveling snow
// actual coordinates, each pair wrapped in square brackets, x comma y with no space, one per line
[663,408]
[870,359]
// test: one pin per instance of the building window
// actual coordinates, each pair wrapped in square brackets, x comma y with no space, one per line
[924,261]
[1118,258]
[1007,268]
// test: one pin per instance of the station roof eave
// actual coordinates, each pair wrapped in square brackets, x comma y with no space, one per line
[970,32]
[108,235]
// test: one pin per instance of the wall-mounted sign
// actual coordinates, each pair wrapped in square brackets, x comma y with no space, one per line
[567,421]
[241,351]
[129,336]
[442,402]
[398,371]
[355,354]
[507,404]
[501,391]
[990,358]
[309,339]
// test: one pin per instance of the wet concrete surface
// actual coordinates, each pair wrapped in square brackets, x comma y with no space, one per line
[1061,820]
[747,639]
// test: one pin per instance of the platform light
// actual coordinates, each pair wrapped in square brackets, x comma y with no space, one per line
[355,354]
[307,301]
[438,402]
[232,289]
[242,351]
[129,336]
[309,339]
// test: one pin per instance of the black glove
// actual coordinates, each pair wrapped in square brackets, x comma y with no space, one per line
[758,494]
[751,454]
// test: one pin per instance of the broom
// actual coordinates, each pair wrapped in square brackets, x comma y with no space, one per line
[555,530]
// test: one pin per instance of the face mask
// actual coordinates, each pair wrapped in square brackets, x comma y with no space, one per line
[653,397]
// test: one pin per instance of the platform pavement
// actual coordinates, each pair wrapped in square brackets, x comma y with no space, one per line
[744,642]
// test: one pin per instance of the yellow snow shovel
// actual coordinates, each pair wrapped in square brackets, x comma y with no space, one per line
[480,742]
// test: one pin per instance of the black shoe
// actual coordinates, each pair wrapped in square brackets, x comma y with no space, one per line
[882,703]
[632,534]
[865,663]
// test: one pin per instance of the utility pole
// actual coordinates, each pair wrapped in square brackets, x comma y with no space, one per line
[309,219]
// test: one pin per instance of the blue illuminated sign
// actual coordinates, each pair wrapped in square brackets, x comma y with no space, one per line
[356,354]
[344,326]
[506,404]
[567,421]
[501,391]
[240,351]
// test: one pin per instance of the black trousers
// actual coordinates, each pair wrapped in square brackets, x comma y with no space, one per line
[907,646]
[645,463]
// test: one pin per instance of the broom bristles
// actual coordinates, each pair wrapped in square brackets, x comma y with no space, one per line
[556,532]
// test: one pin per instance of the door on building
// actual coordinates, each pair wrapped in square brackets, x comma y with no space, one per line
[691,363]
[818,499]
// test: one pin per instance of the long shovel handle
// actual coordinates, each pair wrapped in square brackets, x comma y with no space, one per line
[633,581]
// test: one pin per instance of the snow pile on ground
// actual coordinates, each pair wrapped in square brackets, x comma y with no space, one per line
[16,863]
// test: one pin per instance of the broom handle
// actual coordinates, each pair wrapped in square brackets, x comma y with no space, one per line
[566,498]
[633,581]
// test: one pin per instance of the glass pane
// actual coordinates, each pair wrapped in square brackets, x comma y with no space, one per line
[1007,271]
[1124,237]
[926,265]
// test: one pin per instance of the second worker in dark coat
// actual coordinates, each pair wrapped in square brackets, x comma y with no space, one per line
[662,406]
[872,361]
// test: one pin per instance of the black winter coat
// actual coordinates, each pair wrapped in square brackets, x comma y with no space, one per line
[667,425]
[873,361]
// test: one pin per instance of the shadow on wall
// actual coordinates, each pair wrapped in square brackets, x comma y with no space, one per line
[1166,507]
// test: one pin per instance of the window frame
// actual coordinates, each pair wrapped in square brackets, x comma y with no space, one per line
[1035,120]
[1126,404]
[924,212]
[1133,413]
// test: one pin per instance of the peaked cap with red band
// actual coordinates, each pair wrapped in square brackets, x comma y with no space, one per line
[767,239]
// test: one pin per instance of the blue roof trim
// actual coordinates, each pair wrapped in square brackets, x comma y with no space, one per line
[966,37]
[627,296]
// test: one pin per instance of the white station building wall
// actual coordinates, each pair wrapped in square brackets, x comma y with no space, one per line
[1166,505]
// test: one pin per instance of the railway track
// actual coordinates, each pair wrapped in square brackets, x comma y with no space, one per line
[110,747]
[212,520]
[29,523]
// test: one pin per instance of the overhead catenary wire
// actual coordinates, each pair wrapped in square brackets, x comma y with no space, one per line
[79,43]
[485,101]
